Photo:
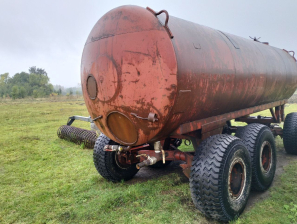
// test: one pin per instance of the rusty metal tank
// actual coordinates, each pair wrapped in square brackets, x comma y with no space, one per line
[144,75]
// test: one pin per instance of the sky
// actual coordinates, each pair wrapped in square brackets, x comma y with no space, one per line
[51,34]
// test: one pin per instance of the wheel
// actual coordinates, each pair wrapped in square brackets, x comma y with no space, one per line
[260,142]
[107,163]
[220,178]
[290,133]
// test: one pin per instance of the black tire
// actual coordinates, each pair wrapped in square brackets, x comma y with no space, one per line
[217,158]
[290,133]
[260,142]
[106,162]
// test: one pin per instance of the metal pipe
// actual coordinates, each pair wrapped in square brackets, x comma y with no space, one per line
[158,150]
[149,161]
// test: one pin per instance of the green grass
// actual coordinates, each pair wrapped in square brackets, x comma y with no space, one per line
[44,179]
[281,206]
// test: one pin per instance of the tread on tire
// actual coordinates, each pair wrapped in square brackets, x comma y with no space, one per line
[106,164]
[290,133]
[254,135]
[210,172]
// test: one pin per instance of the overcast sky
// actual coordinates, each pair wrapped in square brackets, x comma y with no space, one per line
[50,34]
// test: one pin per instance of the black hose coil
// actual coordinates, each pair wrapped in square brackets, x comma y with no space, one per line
[78,136]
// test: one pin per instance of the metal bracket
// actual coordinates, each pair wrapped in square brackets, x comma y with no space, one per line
[166,21]
[187,142]
[290,54]
[96,118]
[152,117]
[257,40]
[278,115]
[80,118]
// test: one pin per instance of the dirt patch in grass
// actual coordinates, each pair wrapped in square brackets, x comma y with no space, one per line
[149,173]
[283,159]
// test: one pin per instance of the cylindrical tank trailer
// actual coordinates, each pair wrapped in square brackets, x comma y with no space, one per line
[150,80]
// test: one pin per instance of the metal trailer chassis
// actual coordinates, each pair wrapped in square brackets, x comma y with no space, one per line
[196,132]
[223,168]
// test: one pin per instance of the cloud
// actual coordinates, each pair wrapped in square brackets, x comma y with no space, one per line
[51,34]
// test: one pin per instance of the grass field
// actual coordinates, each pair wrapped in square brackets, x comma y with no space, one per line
[44,179]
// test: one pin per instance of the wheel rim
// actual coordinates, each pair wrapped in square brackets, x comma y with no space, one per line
[266,157]
[237,178]
[120,161]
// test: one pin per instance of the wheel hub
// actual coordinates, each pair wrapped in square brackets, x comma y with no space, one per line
[266,157]
[121,161]
[237,177]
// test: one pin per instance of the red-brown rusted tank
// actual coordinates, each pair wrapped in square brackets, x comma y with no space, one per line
[133,66]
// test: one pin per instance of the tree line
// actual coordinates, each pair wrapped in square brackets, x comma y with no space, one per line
[35,83]
[68,91]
